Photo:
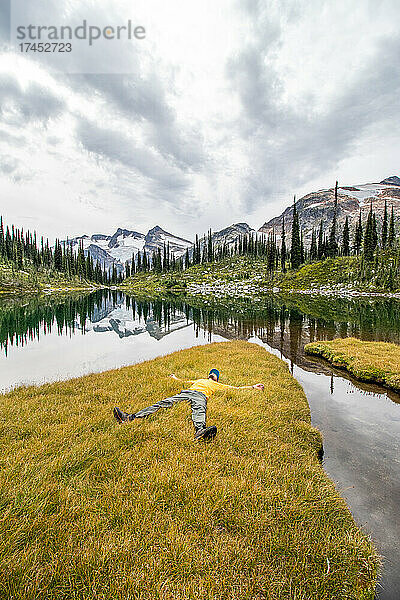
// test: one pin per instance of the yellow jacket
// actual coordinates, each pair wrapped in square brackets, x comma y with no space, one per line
[208,386]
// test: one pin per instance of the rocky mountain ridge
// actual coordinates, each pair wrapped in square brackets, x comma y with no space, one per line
[319,206]
[118,248]
[313,208]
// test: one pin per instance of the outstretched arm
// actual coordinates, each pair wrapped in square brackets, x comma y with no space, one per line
[179,379]
[256,386]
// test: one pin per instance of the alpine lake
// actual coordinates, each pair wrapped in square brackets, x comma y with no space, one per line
[58,337]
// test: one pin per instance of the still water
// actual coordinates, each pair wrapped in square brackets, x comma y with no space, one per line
[58,338]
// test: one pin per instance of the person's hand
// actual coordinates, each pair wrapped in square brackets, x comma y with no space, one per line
[259,386]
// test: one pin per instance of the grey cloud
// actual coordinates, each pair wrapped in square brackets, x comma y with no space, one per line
[11,139]
[143,100]
[8,164]
[139,97]
[33,103]
[53,140]
[14,168]
[291,145]
[173,149]
[119,148]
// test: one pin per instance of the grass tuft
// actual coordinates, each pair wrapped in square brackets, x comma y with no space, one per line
[375,362]
[90,509]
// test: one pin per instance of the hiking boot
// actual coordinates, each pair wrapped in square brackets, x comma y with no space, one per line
[206,433]
[121,416]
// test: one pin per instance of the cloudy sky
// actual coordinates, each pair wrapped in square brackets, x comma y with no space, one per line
[220,115]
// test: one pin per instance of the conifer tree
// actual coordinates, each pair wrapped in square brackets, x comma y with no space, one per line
[196,251]
[321,245]
[295,253]
[385,227]
[374,233]
[145,264]
[205,250]
[8,244]
[391,235]
[313,247]
[283,247]
[346,238]
[332,244]
[157,261]
[2,241]
[369,237]
[57,256]
[210,248]
[19,254]
[302,256]
[80,260]
[358,236]
[113,275]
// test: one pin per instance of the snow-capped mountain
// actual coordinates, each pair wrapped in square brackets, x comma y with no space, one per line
[313,208]
[118,248]
[124,243]
[157,237]
[319,206]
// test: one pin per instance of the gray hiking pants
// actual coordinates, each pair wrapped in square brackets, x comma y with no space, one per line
[198,402]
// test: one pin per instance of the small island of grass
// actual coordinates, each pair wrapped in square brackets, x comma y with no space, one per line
[376,362]
[91,509]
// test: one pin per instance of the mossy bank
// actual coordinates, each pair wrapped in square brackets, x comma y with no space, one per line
[92,509]
[375,362]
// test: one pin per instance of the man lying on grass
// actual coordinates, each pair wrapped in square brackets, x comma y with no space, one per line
[197,395]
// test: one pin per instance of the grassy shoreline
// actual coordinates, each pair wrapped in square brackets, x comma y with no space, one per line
[34,281]
[374,362]
[239,276]
[246,276]
[91,509]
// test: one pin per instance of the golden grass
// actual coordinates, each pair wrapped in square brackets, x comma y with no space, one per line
[377,362]
[90,509]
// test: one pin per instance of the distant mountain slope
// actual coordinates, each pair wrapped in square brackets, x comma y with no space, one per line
[319,206]
[157,236]
[118,248]
[394,180]
[230,234]
[313,208]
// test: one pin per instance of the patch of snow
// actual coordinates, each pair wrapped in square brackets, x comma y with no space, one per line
[124,253]
[174,240]
[130,242]
[103,244]
[368,190]
[314,205]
